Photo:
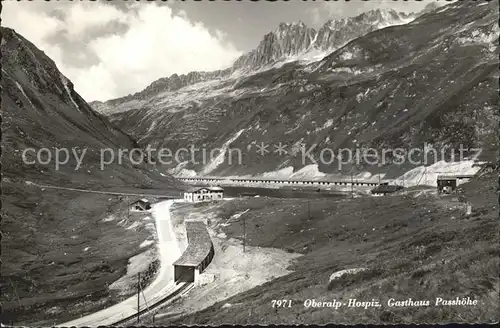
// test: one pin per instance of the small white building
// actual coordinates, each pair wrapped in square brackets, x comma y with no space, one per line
[204,194]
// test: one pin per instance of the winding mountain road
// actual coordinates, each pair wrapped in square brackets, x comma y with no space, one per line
[162,286]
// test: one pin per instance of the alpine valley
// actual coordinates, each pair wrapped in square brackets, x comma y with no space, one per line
[378,80]
[381,80]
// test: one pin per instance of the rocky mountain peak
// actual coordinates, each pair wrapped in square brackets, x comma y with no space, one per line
[294,39]
[431,6]
[290,26]
[288,41]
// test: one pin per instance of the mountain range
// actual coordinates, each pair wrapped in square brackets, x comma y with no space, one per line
[389,80]
[379,80]
[288,41]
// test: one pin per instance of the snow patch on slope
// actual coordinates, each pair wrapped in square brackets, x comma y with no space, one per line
[146,243]
[219,159]
[19,86]
[64,81]
[391,22]
[181,171]
[281,173]
[428,175]
[310,171]
[187,173]
[326,125]
[479,37]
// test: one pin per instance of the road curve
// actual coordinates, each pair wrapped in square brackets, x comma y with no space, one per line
[162,286]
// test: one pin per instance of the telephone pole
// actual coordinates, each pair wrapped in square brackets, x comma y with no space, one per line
[128,209]
[404,192]
[244,234]
[144,297]
[308,209]
[352,186]
[138,294]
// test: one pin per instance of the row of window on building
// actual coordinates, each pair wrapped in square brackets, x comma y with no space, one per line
[204,194]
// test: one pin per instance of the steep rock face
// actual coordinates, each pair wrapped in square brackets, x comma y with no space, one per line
[296,39]
[433,80]
[288,41]
[44,230]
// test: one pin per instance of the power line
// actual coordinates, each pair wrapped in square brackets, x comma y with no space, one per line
[101,192]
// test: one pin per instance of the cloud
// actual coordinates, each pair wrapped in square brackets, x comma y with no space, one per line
[30,23]
[109,51]
[86,16]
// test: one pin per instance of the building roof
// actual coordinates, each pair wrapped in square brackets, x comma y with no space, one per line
[195,189]
[451,177]
[199,244]
[205,188]
[142,200]
[385,189]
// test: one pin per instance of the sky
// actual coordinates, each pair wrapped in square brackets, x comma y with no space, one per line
[110,49]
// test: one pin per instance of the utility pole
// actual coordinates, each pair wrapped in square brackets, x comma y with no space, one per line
[144,297]
[352,186]
[308,209]
[404,192]
[138,294]
[244,234]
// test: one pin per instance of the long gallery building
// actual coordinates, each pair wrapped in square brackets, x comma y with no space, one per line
[198,254]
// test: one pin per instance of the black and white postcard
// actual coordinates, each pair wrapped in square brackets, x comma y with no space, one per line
[249,162]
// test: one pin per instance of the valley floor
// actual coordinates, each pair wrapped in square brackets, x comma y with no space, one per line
[416,246]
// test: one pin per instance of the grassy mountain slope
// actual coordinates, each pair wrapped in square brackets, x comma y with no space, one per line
[45,267]
[417,248]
